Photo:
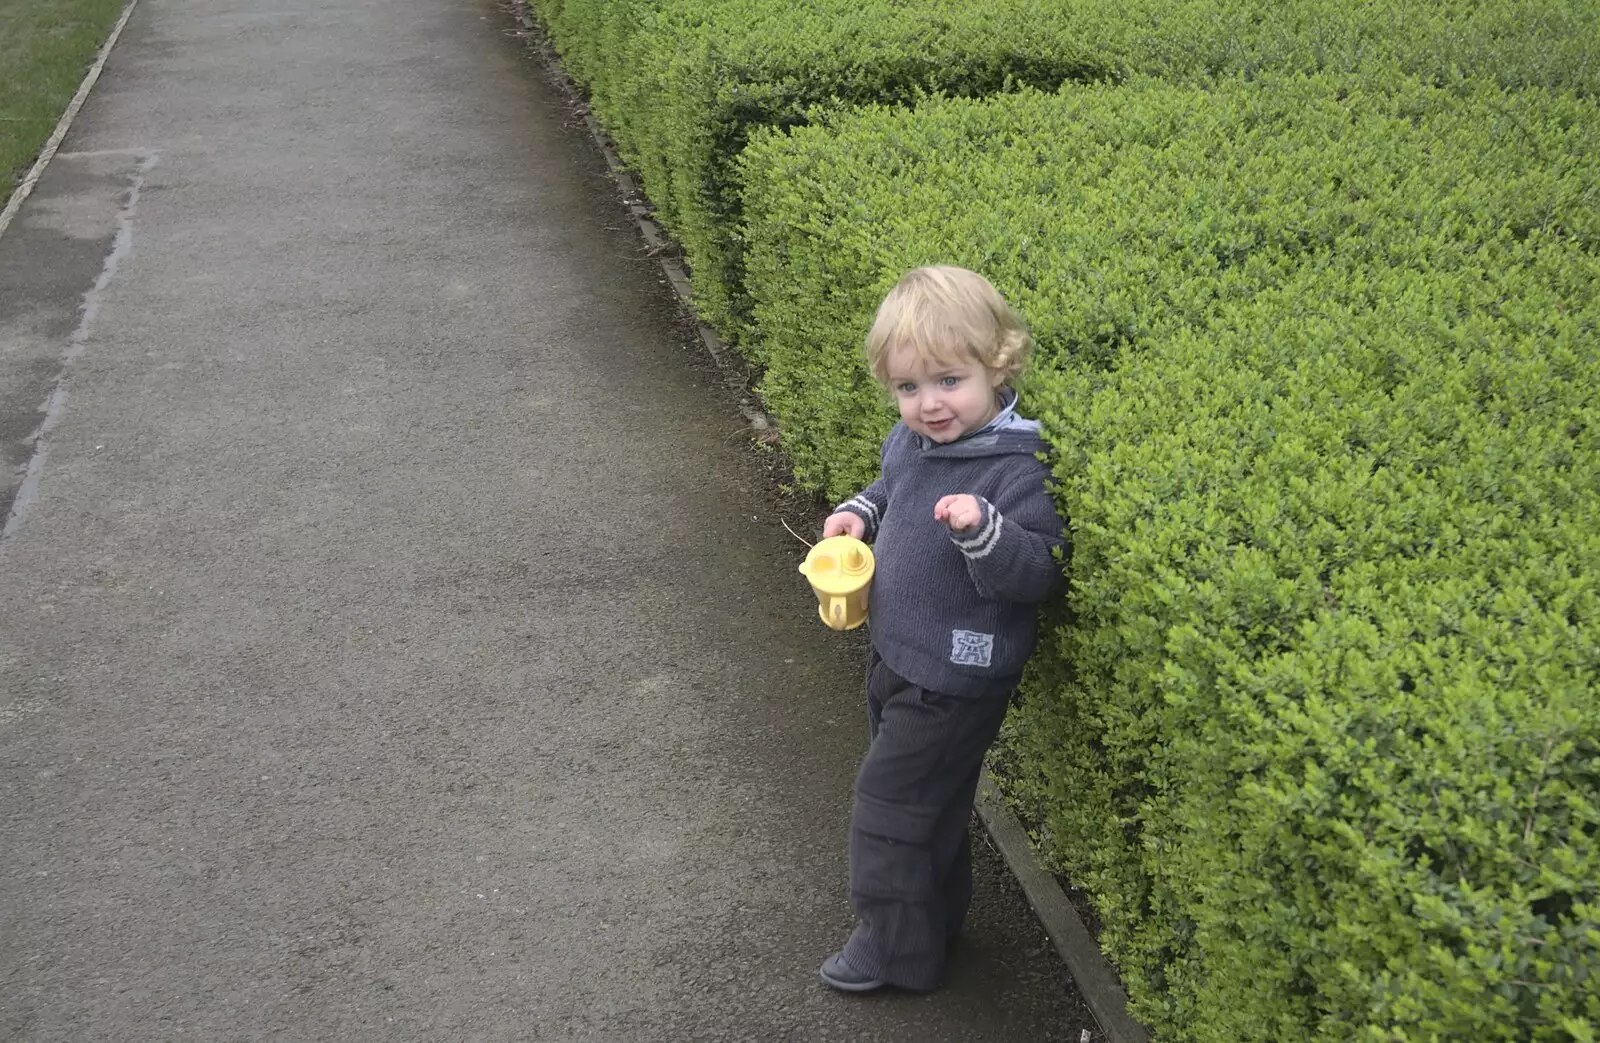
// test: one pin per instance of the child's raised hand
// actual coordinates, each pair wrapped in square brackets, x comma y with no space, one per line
[960,511]
[844,523]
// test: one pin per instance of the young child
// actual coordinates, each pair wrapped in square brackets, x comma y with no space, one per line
[964,532]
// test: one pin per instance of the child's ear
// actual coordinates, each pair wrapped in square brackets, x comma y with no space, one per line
[996,378]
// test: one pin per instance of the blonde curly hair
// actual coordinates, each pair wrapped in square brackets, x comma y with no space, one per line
[949,315]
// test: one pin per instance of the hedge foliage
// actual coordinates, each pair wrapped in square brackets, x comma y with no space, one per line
[680,84]
[1319,359]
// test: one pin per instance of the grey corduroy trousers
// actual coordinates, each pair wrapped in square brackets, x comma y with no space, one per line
[910,852]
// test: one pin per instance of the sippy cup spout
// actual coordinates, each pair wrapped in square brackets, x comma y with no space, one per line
[854,561]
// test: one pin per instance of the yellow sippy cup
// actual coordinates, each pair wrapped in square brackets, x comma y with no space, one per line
[840,572]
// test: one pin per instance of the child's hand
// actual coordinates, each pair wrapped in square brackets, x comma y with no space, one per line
[959,512]
[844,523]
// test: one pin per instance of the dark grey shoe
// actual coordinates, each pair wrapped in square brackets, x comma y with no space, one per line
[839,974]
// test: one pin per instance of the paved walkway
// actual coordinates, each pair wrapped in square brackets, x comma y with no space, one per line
[398,639]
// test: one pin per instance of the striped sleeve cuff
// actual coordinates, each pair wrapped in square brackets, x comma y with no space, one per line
[866,508]
[979,540]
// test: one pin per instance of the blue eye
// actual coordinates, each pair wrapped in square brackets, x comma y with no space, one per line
[950,382]
[906,389]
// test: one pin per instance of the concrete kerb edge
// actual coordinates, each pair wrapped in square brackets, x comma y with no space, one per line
[763,427]
[1093,974]
[53,143]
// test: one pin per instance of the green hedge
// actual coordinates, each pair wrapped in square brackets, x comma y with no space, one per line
[681,83]
[1319,359]
[591,38]
[1550,44]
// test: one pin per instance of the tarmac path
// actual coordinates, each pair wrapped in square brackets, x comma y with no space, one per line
[398,640]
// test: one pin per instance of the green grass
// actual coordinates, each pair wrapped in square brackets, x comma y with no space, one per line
[48,47]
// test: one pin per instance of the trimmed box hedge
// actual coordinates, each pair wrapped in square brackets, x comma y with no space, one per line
[680,84]
[1319,359]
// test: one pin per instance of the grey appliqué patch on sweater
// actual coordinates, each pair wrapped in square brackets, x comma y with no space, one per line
[970,648]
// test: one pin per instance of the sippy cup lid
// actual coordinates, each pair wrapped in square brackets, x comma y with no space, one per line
[839,565]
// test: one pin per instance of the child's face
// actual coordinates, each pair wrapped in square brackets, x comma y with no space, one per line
[942,400]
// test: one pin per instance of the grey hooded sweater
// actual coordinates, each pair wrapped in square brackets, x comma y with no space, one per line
[956,611]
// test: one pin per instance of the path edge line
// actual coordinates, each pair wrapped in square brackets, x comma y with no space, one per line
[763,426]
[1093,973]
[53,143]
[1090,970]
